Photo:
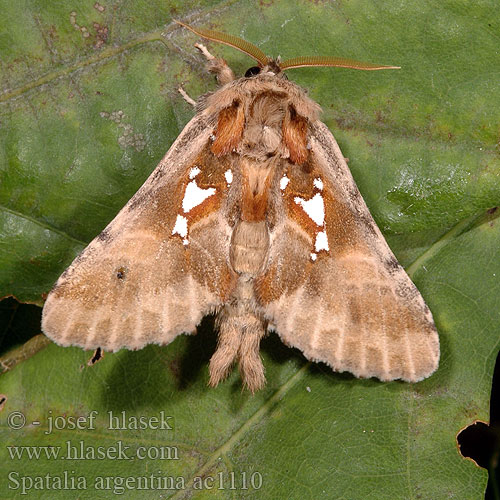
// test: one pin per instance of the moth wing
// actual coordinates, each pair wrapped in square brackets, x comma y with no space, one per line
[351,306]
[151,274]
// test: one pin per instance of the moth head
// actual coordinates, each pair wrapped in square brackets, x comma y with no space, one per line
[276,66]
[272,67]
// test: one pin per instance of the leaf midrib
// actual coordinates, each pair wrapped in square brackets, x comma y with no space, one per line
[236,436]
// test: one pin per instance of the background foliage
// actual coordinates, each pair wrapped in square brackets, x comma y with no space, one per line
[89,105]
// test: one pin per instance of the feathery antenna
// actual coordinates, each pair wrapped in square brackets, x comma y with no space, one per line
[296,62]
[231,40]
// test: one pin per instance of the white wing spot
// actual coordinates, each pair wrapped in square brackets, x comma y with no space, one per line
[318,183]
[181,228]
[314,208]
[194,196]
[194,172]
[321,242]
[284,182]
[228,174]
[313,256]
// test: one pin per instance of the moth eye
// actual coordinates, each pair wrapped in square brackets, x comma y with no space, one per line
[254,70]
[120,273]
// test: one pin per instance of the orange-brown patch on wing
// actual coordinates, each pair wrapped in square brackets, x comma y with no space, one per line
[204,209]
[308,166]
[343,228]
[229,131]
[301,185]
[266,286]
[202,223]
[287,273]
[297,213]
[220,280]
[211,175]
[295,135]
[212,169]
[302,179]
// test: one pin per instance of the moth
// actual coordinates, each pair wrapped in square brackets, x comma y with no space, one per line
[253,215]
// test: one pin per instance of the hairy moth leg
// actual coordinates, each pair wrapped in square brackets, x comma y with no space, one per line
[250,363]
[186,97]
[228,344]
[218,66]
[240,332]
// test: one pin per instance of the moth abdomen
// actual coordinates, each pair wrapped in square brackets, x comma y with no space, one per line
[249,247]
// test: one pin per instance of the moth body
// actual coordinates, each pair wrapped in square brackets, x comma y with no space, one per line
[254,215]
[261,147]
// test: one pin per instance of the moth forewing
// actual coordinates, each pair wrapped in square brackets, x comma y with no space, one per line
[355,308]
[252,214]
[141,280]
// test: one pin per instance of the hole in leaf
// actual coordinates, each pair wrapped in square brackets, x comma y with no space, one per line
[97,356]
[478,441]
[18,323]
[481,442]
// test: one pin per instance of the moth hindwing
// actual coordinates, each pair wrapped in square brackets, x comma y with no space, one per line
[252,214]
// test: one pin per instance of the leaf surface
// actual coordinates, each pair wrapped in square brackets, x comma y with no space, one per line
[84,119]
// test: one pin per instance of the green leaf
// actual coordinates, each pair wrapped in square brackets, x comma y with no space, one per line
[85,118]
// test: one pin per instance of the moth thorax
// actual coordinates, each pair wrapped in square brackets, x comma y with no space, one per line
[249,245]
[262,133]
[260,141]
